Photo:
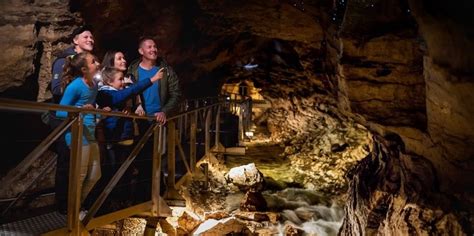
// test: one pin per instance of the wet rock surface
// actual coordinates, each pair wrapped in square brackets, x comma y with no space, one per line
[261,213]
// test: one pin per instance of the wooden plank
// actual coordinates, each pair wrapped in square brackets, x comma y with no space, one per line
[184,179]
[218,125]
[74,193]
[156,171]
[98,203]
[233,151]
[165,210]
[183,156]
[207,135]
[241,129]
[171,154]
[192,141]
[172,192]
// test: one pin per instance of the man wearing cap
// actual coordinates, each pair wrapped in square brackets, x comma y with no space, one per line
[83,41]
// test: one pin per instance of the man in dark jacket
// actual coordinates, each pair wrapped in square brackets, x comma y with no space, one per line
[162,98]
[83,41]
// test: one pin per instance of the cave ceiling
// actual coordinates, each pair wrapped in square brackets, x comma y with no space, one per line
[210,42]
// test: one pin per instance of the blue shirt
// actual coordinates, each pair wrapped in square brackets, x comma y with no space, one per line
[78,94]
[151,95]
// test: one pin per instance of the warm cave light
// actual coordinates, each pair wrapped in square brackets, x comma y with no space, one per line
[249,134]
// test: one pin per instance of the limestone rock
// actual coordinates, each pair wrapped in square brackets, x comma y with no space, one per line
[398,188]
[253,201]
[31,35]
[246,177]
[291,230]
[216,215]
[220,227]
[188,221]
[253,216]
[133,226]
[168,227]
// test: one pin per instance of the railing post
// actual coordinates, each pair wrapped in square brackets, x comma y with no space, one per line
[218,125]
[249,115]
[186,106]
[180,124]
[241,126]
[192,140]
[171,139]
[74,193]
[207,141]
[156,171]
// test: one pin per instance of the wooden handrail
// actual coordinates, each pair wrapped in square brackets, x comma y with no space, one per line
[209,107]
[29,106]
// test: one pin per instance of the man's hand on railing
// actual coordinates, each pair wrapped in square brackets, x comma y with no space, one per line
[160,117]
[107,109]
[139,111]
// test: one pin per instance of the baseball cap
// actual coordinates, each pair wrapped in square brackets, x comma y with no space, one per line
[81,29]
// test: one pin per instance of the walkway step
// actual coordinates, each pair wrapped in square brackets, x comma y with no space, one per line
[34,226]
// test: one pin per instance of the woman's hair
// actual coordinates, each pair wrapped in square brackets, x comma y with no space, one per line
[109,59]
[73,68]
[108,74]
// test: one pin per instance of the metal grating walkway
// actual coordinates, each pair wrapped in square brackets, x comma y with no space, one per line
[34,226]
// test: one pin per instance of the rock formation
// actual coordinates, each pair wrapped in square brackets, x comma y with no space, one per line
[401,69]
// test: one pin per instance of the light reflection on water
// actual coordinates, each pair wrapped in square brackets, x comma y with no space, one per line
[303,209]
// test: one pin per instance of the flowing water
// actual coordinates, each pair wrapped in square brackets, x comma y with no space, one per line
[306,210]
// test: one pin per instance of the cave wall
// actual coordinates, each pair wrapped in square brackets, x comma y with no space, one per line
[32,32]
[400,68]
[424,98]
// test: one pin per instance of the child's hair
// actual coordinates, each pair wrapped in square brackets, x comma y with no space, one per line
[108,75]
[109,59]
[73,68]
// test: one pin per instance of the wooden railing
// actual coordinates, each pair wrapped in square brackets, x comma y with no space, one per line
[185,125]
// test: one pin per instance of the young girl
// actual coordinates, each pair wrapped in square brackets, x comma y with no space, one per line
[81,91]
[119,131]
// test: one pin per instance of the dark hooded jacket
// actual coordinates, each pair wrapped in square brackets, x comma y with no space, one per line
[170,91]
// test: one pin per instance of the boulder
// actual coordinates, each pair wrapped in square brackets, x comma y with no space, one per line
[246,177]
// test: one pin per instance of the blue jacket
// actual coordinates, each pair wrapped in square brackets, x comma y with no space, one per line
[118,128]
[78,94]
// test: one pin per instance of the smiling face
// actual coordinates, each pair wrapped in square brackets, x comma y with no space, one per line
[148,50]
[91,67]
[84,42]
[119,62]
[117,82]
